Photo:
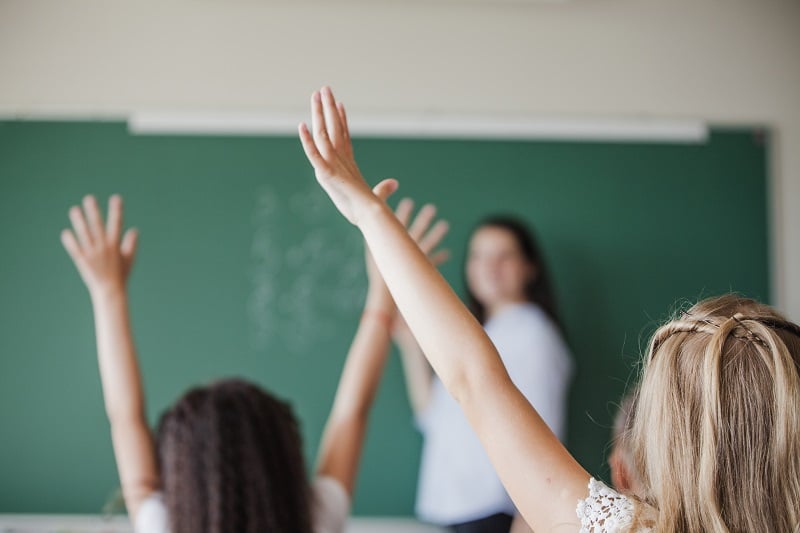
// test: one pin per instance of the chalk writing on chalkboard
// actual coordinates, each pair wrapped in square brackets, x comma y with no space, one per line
[306,269]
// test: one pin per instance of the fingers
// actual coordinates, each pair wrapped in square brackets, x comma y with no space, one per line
[310,148]
[348,142]
[129,241]
[404,210]
[73,248]
[80,226]
[318,127]
[385,189]
[428,239]
[329,129]
[128,247]
[440,257]
[343,119]
[332,120]
[114,221]
[432,239]
[422,222]
[94,248]
[94,218]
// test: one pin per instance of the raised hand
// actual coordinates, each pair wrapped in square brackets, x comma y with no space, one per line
[103,259]
[329,150]
[426,236]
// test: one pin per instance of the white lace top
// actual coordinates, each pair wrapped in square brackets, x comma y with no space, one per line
[608,511]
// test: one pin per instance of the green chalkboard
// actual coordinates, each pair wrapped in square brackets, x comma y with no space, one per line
[246,269]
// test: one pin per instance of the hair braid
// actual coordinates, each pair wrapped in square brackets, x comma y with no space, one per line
[716,428]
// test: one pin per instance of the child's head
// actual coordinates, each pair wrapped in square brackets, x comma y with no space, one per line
[716,430]
[231,459]
[623,473]
[504,263]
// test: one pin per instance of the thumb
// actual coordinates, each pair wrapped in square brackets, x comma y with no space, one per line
[385,188]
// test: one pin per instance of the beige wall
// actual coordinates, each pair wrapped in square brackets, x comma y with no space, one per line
[726,61]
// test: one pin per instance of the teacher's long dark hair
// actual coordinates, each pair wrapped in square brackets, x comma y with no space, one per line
[539,290]
[230,456]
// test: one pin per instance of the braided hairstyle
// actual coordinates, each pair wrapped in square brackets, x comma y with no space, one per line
[230,457]
[716,429]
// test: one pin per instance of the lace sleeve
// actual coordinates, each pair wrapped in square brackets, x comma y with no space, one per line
[605,510]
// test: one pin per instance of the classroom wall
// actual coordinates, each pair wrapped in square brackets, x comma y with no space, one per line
[726,61]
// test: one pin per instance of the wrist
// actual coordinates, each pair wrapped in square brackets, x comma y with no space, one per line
[379,315]
[107,292]
[369,209]
[378,292]
[380,299]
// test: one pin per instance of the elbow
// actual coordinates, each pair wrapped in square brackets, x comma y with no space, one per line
[461,385]
[473,382]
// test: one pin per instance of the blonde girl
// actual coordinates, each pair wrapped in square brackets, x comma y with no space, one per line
[716,430]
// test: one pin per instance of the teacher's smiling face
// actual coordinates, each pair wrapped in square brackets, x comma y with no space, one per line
[497,269]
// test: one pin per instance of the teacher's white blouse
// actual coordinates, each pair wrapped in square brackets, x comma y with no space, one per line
[457,483]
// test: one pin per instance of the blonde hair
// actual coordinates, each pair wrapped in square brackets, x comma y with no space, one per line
[716,428]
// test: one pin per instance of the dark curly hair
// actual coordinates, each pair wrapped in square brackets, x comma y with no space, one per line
[539,290]
[230,456]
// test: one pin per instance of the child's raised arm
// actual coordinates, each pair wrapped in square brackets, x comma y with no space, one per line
[104,262]
[544,480]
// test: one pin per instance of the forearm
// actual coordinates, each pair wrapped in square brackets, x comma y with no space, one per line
[543,479]
[343,437]
[366,357]
[124,398]
[418,374]
[119,369]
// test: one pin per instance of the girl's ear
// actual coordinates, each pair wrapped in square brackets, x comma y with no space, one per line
[620,477]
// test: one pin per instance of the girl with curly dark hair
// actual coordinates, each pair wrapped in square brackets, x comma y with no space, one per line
[227,456]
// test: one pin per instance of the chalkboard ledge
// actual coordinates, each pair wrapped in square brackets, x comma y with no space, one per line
[22,523]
